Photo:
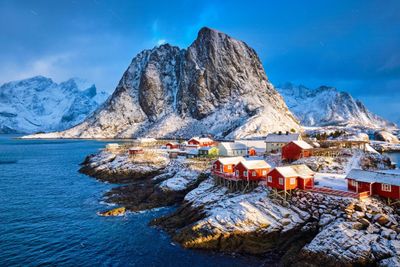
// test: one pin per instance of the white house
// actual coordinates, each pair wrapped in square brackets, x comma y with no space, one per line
[257,145]
[230,149]
[274,142]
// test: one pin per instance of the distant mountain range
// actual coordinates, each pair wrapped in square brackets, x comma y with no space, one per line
[216,86]
[325,106]
[39,104]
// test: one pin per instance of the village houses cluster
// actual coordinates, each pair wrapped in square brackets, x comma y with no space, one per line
[241,164]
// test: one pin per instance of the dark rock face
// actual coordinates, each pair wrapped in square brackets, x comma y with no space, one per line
[191,91]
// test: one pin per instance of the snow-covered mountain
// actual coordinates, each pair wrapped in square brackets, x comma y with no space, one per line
[325,106]
[217,85]
[39,104]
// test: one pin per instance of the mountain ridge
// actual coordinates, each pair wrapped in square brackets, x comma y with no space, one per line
[217,86]
[39,104]
[328,106]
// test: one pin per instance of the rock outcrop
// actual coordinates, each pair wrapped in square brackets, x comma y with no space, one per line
[385,136]
[217,86]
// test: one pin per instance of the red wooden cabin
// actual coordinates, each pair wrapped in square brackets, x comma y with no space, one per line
[291,177]
[135,150]
[197,141]
[252,170]
[384,183]
[295,150]
[226,165]
[172,145]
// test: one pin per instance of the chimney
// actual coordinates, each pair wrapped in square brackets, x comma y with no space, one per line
[287,132]
[280,132]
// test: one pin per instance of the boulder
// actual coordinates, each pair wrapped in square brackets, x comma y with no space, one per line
[386,137]
[114,212]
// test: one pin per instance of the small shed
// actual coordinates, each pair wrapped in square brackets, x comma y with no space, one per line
[192,153]
[384,183]
[252,170]
[295,150]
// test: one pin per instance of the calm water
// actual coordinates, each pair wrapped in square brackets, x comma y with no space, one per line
[48,215]
[395,157]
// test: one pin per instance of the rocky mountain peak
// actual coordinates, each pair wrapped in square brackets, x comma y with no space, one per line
[217,85]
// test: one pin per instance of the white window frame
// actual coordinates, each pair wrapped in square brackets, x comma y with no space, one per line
[292,181]
[229,167]
[237,172]
[264,172]
[254,173]
[386,187]
[281,182]
[353,183]
[221,168]
[269,179]
[244,173]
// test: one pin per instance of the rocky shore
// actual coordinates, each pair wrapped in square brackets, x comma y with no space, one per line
[308,229]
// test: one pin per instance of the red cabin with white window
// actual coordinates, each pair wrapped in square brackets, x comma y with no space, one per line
[252,170]
[291,177]
[172,145]
[136,151]
[384,183]
[295,150]
[252,151]
[226,165]
[203,141]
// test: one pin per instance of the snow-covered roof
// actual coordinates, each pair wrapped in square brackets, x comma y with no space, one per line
[255,164]
[282,138]
[380,176]
[257,144]
[295,171]
[233,146]
[302,144]
[202,139]
[231,160]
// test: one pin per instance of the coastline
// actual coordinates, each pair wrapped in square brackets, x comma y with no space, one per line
[208,217]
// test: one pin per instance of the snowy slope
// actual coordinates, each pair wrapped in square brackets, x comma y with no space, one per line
[217,85]
[39,104]
[325,106]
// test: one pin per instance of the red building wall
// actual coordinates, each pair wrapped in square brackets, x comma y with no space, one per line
[394,193]
[259,173]
[305,183]
[193,142]
[252,152]
[291,151]
[171,146]
[228,168]
[275,181]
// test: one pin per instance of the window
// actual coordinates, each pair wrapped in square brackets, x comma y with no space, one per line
[353,183]
[215,166]
[221,168]
[386,187]
[292,181]
[229,167]
[237,173]
[269,179]
[281,181]
[244,173]
[254,173]
[264,172]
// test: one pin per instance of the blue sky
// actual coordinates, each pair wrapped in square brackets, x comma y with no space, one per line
[353,45]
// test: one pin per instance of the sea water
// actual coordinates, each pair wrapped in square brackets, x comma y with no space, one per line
[48,215]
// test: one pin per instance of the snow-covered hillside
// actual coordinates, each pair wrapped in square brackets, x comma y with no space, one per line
[325,106]
[217,85]
[39,104]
